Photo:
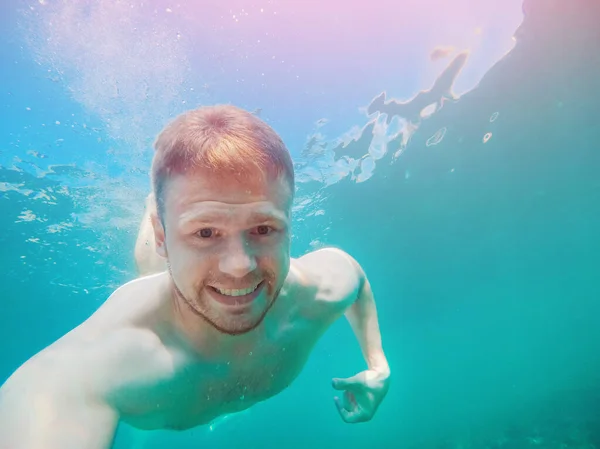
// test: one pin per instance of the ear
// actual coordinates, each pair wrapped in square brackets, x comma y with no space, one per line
[159,235]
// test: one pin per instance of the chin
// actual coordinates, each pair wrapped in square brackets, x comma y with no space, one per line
[238,321]
[239,329]
[236,325]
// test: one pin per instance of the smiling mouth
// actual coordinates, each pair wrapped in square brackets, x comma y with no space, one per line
[236,297]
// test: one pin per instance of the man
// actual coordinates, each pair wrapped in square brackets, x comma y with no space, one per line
[227,320]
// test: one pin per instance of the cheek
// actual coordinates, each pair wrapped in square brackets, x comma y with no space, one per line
[282,244]
[279,263]
[279,249]
[184,258]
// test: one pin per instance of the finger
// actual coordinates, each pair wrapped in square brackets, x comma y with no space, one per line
[339,384]
[357,416]
[342,403]
[338,404]
[343,384]
[351,416]
[341,409]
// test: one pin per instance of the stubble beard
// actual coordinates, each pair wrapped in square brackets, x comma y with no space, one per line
[229,326]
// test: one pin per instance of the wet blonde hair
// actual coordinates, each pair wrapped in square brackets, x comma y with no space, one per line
[223,139]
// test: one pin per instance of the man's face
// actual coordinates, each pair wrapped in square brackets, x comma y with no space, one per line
[227,242]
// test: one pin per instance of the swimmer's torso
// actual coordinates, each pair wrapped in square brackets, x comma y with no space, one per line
[156,380]
[194,392]
[127,355]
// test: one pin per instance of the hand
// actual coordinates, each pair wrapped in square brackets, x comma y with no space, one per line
[362,395]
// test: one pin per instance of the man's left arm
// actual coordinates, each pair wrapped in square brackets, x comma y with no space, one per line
[362,316]
[364,392]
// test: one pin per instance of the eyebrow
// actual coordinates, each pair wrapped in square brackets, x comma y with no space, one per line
[255,217]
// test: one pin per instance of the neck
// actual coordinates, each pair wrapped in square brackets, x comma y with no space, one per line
[201,336]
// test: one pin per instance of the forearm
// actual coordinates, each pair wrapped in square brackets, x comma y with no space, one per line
[362,316]
[146,259]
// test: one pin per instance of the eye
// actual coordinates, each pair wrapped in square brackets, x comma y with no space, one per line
[205,233]
[263,230]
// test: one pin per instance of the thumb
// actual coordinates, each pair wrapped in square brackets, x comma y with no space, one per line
[342,384]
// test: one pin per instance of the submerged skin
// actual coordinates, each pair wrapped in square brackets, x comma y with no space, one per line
[166,351]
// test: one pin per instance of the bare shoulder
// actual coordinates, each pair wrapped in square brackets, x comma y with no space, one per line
[122,340]
[102,354]
[68,395]
[333,274]
[136,303]
[93,362]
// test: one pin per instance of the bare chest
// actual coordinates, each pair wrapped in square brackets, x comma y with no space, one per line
[197,392]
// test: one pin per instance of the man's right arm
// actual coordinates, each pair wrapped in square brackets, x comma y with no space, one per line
[41,410]
[147,259]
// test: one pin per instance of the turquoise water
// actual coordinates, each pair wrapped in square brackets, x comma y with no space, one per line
[478,226]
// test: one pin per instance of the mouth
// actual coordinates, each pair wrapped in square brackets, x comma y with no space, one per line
[236,297]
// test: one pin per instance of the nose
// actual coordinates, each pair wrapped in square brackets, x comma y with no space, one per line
[237,259]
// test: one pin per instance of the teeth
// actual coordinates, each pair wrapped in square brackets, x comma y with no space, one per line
[234,292]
